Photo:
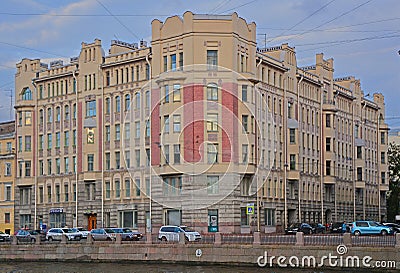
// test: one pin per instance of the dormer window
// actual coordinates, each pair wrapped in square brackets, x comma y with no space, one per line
[26,94]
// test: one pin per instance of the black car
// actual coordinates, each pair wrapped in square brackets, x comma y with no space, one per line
[299,227]
[337,227]
[317,228]
[395,227]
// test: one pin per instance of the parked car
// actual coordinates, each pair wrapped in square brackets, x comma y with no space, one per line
[84,232]
[317,228]
[56,234]
[395,227]
[370,228]
[28,235]
[128,234]
[338,226]
[103,234]
[4,237]
[171,233]
[299,227]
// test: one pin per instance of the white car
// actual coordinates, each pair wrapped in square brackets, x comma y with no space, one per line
[171,233]
[55,234]
[84,232]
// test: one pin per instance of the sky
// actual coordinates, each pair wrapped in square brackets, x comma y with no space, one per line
[362,36]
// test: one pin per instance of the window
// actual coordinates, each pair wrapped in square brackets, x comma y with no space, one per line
[212,59]
[49,141]
[244,217]
[27,168]
[127,187]
[245,153]
[58,139]
[212,184]
[41,167]
[147,128]
[117,104]
[127,159]
[49,169]
[66,193]
[58,114]
[137,129]
[108,106]
[66,113]
[166,124]
[74,111]
[245,123]
[9,147]
[166,153]
[383,157]
[41,142]
[165,63]
[57,193]
[117,189]
[383,177]
[27,94]
[73,137]
[49,115]
[66,164]
[359,152]
[27,143]
[359,174]
[117,160]
[383,138]
[212,92]
[212,153]
[117,132]
[269,217]
[147,99]
[328,144]
[28,118]
[108,189]
[7,193]
[127,129]
[147,157]
[212,122]
[41,117]
[137,101]
[177,92]
[173,62]
[328,167]
[292,162]
[108,161]
[19,118]
[127,102]
[91,108]
[90,162]
[181,60]
[66,139]
[107,133]
[41,194]
[166,92]
[58,166]
[108,82]
[137,158]
[20,144]
[7,218]
[177,123]
[244,93]
[137,186]
[328,121]
[292,136]
[177,153]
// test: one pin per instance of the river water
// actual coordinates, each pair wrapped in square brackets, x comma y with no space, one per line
[124,267]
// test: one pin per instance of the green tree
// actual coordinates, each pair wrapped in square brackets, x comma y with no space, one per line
[393,206]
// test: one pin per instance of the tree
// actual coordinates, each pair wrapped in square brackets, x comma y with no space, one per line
[393,206]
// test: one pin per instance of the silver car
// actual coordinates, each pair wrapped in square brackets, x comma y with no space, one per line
[171,233]
[103,234]
[55,234]
[84,232]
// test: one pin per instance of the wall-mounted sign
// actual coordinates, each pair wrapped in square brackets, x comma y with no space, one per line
[57,210]
[90,136]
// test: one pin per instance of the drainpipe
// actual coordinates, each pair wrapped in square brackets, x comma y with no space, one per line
[102,147]
[37,154]
[77,147]
[150,189]
[300,140]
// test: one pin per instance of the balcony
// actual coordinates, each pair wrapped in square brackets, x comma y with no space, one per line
[383,187]
[329,179]
[360,184]
[293,175]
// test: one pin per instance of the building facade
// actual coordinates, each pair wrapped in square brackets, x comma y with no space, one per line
[201,128]
[7,176]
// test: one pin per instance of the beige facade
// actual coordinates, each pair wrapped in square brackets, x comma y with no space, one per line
[7,176]
[187,130]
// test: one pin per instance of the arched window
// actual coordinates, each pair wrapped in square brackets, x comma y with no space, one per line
[117,104]
[108,106]
[127,102]
[27,94]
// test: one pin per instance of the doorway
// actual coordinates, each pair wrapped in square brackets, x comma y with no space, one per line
[92,222]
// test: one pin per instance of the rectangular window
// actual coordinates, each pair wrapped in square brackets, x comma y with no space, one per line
[177,123]
[7,193]
[117,160]
[49,141]
[177,92]
[9,147]
[49,167]
[181,60]
[108,131]
[212,153]
[137,100]
[90,162]
[212,184]
[244,217]
[328,144]
[20,144]
[127,129]
[127,188]
[328,120]
[108,189]
[212,59]
[58,136]
[66,139]
[117,189]
[383,138]
[137,186]
[117,132]
[245,123]
[28,118]
[165,63]
[66,164]
[292,162]
[137,129]
[41,167]
[41,142]
[383,157]
[212,122]
[245,152]
[127,159]
[66,193]
[177,153]
[328,167]
[74,189]
[7,169]
[27,168]
[166,124]
[173,62]
[244,93]
[166,153]
[108,161]
[269,217]
[359,152]
[212,92]
[166,93]
[57,193]
[359,174]
[91,108]
[383,177]
[7,218]
[58,166]
[292,136]
[137,158]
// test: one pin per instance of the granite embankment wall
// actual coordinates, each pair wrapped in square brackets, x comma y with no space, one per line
[228,254]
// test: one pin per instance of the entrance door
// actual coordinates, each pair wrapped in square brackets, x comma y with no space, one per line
[92,222]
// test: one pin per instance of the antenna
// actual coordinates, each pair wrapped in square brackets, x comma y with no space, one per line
[11,103]
[265,39]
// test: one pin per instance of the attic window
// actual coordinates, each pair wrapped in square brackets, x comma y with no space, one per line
[27,94]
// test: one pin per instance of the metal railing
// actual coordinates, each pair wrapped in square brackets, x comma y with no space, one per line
[276,239]
[381,241]
[323,240]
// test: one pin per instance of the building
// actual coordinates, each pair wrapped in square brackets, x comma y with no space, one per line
[7,176]
[394,138]
[200,128]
